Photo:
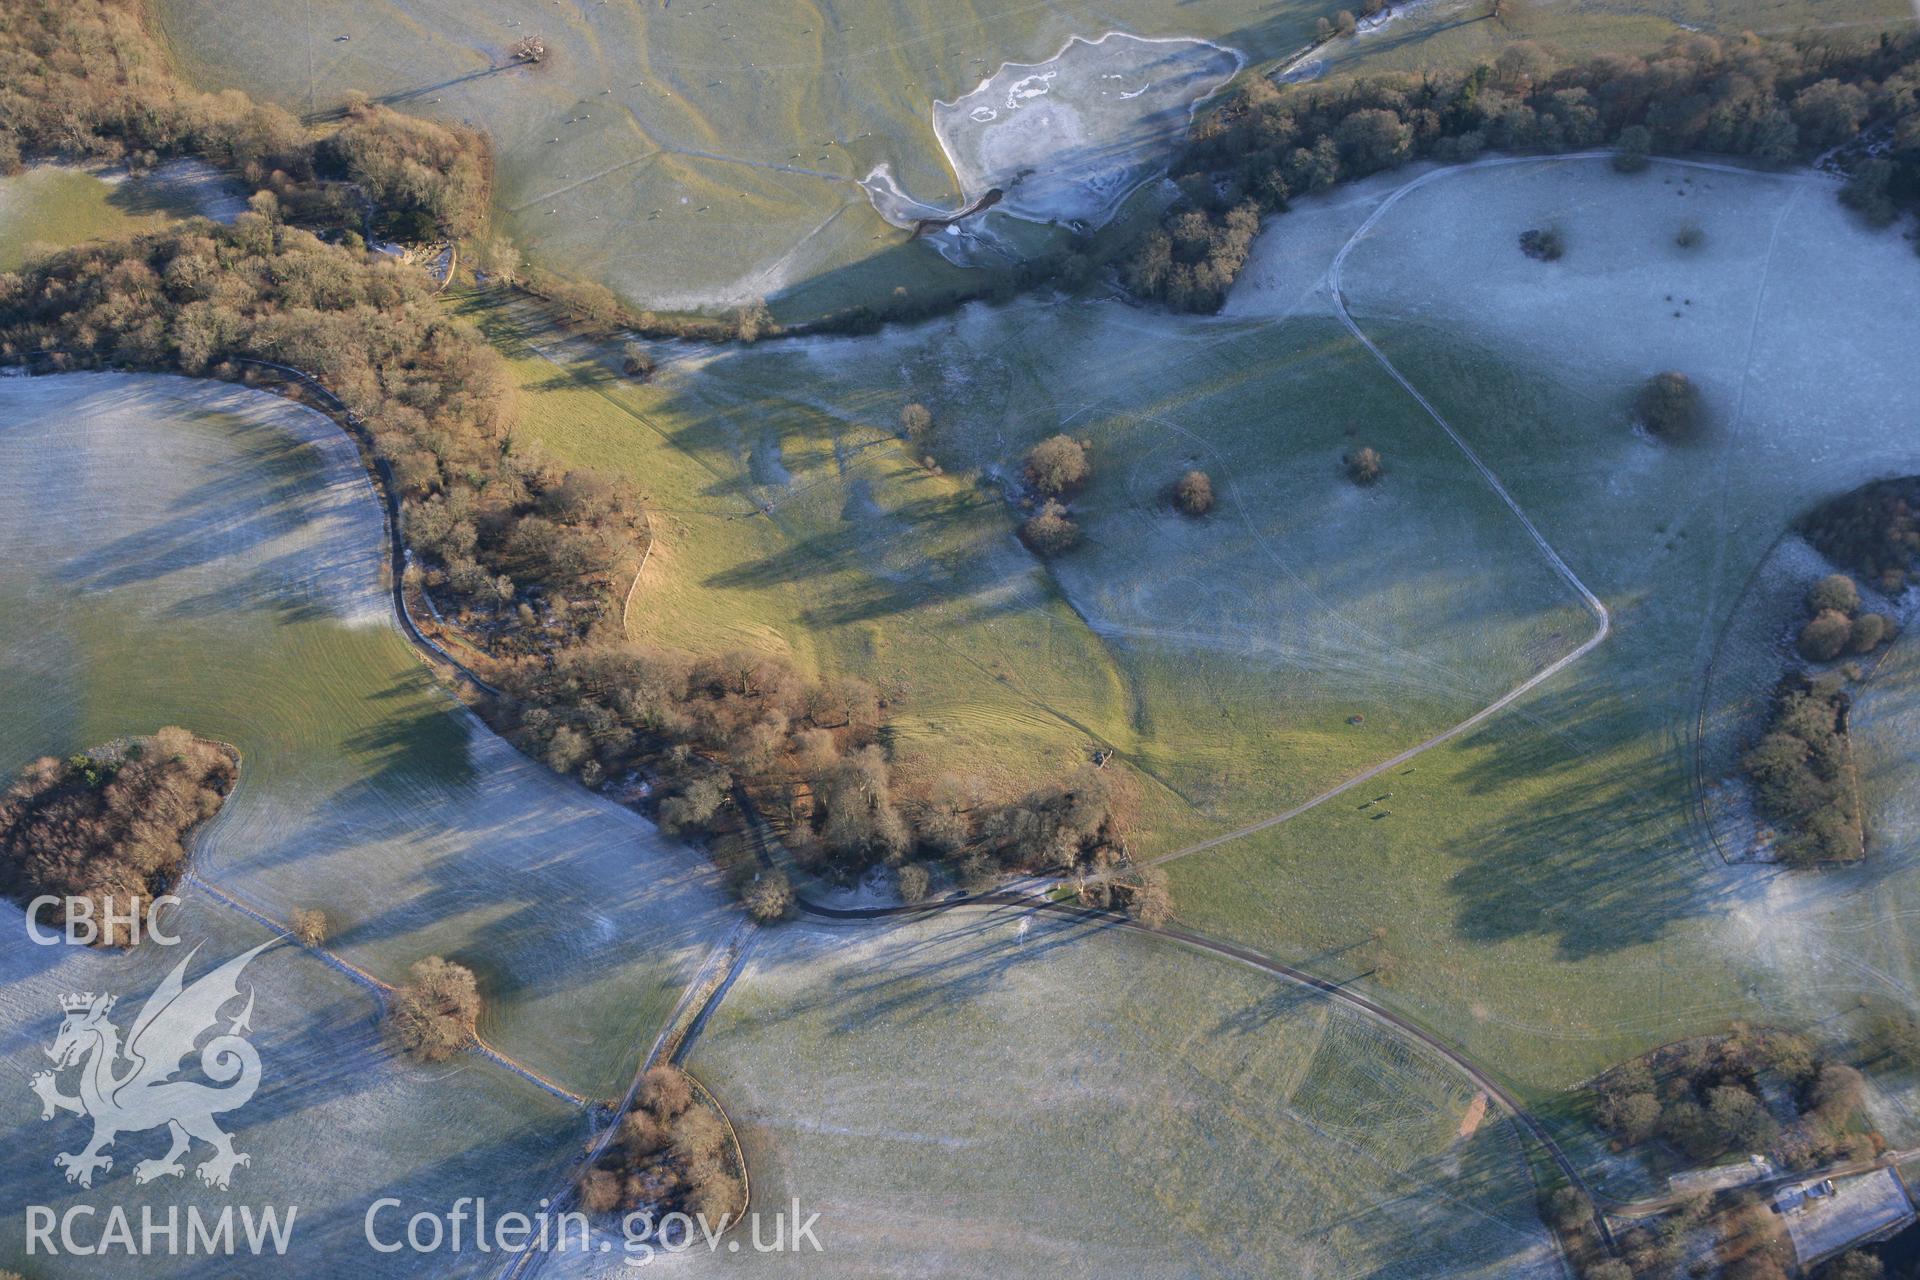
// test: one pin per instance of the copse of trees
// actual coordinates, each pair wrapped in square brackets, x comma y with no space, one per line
[434,1015]
[1803,776]
[1774,101]
[809,757]
[424,178]
[1705,1097]
[1874,531]
[110,825]
[1836,625]
[671,1154]
[92,80]
[1050,531]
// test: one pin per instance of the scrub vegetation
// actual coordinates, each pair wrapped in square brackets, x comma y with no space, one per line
[110,825]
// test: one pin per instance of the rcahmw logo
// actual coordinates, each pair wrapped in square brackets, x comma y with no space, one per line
[129,1087]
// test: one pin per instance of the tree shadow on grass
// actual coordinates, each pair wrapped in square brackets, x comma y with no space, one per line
[1601,856]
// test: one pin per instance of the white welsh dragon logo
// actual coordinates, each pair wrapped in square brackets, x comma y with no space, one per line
[130,1089]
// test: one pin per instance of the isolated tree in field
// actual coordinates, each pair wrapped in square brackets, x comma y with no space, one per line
[916,420]
[530,49]
[1344,23]
[1669,406]
[1690,236]
[1364,465]
[433,1016]
[1050,531]
[636,361]
[1057,465]
[1194,493]
[1826,634]
[309,925]
[1836,591]
[1544,244]
[769,897]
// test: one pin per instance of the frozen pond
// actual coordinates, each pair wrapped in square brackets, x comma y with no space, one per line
[1068,139]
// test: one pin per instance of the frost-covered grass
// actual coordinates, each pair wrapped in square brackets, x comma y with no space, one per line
[710,153]
[994,1093]
[338,1120]
[1544,881]
[187,553]
[725,162]
[49,206]
[1301,631]
[1459,35]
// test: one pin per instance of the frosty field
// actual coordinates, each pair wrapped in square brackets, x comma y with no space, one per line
[1438,762]
[1557,904]
[995,1093]
[1241,663]
[710,153]
[339,1121]
[693,153]
[182,552]
[53,206]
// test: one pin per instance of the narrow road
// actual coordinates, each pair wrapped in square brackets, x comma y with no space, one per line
[387,493]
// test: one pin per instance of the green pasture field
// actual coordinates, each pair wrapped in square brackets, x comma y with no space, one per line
[183,552]
[1545,892]
[50,207]
[1239,663]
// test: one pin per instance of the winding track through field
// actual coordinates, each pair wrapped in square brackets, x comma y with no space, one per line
[1197,941]
[1254,960]
[1239,954]
[1592,602]
[1505,700]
